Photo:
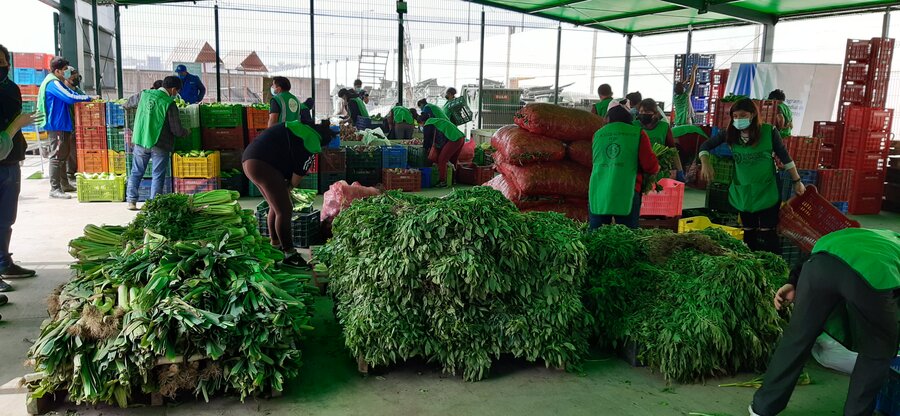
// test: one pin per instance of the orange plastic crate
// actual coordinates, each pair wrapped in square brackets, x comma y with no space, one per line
[29,92]
[90,138]
[90,114]
[29,60]
[257,119]
[666,203]
[93,161]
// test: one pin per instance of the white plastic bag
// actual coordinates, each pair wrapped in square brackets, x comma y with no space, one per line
[831,354]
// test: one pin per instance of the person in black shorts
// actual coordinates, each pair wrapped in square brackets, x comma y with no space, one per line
[276,161]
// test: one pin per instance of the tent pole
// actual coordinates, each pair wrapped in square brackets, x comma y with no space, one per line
[481,76]
[886,25]
[400,57]
[312,55]
[119,81]
[558,52]
[690,40]
[627,64]
[768,43]
[218,65]
[594,61]
[96,52]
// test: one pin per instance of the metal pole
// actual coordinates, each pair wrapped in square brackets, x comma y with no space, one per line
[593,62]
[509,32]
[96,25]
[481,75]
[421,51]
[455,58]
[57,48]
[690,38]
[627,64]
[558,51]
[400,58]
[768,43]
[119,81]
[886,24]
[218,64]
[312,55]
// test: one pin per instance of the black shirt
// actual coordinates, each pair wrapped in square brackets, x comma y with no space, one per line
[278,147]
[10,107]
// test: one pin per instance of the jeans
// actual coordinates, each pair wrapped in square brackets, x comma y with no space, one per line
[10,186]
[140,157]
[630,220]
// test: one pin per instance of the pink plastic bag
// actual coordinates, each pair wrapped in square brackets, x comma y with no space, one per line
[581,152]
[467,153]
[340,195]
[520,147]
[550,178]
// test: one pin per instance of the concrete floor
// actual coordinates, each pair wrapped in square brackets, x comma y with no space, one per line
[330,385]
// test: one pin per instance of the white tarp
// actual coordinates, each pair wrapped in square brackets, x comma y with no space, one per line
[810,89]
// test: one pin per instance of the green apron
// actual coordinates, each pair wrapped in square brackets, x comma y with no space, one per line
[788,118]
[603,106]
[437,112]
[402,115]
[450,131]
[312,140]
[363,112]
[754,187]
[615,169]
[150,117]
[657,134]
[290,107]
[41,110]
[682,103]
[682,130]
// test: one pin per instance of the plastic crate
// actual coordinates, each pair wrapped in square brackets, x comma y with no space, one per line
[328,179]
[368,159]
[701,104]
[257,119]
[702,91]
[888,400]
[365,176]
[190,116]
[835,184]
[856,72]
[842,206]
[866,142]
[194,186]
[701,223]
[791,253]
[222,138]
[115,139]
[470,174]
[768,110]
[230,159]
[717,198]
[129,144]
[90,138]
[416,157]
[827,157]
[115,115]
[148,172]
[806,218]
[252,134]
[144,188]
[831,132]
[867,183]
[393,157]
[404,180]
[197,167]
[659,223]
[28,76]
[101,190]
[29,92]
[310,181]
[426,177]
[92,161]
[786,184]
[666,203]
[858,50]
[117,160]
[33,136]
[221,116]
[363,123]
[90,114]
[723,168]
[871,161]
[866,204]
[867,119]
[29,60]
[191,142]
[305,227]
[853,93]
[235,183]
[31,128]
[804,151]
[333,161]
[458,111]
[253,190]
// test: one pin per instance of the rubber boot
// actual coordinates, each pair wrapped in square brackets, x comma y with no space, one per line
[769,241]
[751,239]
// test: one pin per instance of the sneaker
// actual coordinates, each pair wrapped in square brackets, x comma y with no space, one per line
[59,194]
[14,271]
[132,206]
[70,188]
[5,287]
[750,409]
[3,300]
[441,184]
[295,259]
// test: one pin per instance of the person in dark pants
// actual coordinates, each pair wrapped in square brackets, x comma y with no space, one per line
[12,152]
[276,161]
[622,153]
[55,102]
[754,189]
[849,288]
[401,123]
[427,134]
[74,84]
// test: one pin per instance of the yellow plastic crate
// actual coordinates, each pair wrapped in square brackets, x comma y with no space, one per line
[117,162]
[701,223]
[32,136]
[197,167]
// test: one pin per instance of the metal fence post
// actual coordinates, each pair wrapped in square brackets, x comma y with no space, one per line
[96,25]
[400,57]
[558,52]
[481,76]
[119,81]
[312,56]
[627,64]
[218,65]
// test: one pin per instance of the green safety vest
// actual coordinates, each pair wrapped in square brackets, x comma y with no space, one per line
[754,187]
[603,106]
[450,131]
[682,130]
[682,104]
[657,134]
[402,115]
[150,117]
[290,107]
[312,140]
[437,112]
[788,118]
[615,169]
[363,112]
[41,109]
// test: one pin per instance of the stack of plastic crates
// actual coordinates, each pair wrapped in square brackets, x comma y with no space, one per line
[865,149]
[867,71]
[364,165]
[717,190]
[831,133]
[835,185]
[193,174]
[90,137]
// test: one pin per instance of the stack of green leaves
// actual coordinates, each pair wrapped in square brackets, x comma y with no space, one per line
[197,281]
[458,280]
[696,305]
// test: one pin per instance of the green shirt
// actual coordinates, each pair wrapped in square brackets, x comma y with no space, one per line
[603,106]
[873,254]
[402,115]
[150,117]
[683,110]
[615,169]
[449,130]
[754,188]
[437,112]
[657,134]
[312,140]
[361,106]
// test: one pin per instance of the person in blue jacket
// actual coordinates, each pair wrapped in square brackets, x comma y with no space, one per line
[193,89]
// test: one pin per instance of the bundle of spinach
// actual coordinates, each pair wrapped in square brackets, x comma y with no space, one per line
[457,280]
[666,157]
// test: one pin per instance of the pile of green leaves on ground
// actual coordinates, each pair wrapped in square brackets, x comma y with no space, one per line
[191,281]
[458,280]
[697,305]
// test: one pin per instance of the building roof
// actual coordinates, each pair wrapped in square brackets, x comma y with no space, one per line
[193,51]
[244,61]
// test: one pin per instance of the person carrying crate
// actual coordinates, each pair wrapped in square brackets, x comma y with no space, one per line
[681,101]
[849,288]
[283,106]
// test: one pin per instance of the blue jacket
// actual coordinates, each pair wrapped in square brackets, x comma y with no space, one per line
[59,101]
[193,90]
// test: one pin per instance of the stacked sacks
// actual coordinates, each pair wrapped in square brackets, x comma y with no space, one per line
[545,160]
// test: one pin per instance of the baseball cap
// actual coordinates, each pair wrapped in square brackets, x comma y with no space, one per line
[180,68]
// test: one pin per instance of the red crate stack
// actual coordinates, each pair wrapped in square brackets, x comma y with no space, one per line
[29,60]
[90,114]
[804,151]
[718,80]
[835,185]
[867,68]
[865,148]
[831,133]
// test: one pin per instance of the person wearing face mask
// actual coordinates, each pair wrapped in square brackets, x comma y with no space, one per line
[283,106]
[193,89]
[12,152]
[657,130]
[754,189]
[156,124]
[450,95]
[55,103]
[73,83]
[681,101]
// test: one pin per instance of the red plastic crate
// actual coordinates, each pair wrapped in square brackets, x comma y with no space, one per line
[827,157]
[92,161]
[90,114]
[835,184]
[469,174]
[768,110]
[866,142]
[720,77]
[252,134]
[47,59]
[403,179]
[856,72]
[29,60]
[257,119]
[806,218]
[333,161]
[865,119]
[868,182]
[831,132]
[866,162]
[90,138]
[853,93]
[193,186]
[858,50]
[223,139]
[29,92]
[804,151]
[866,204]
[666,203]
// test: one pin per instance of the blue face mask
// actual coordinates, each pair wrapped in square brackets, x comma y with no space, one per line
[741,123]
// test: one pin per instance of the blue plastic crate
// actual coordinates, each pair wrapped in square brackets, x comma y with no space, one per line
[703,75]
[335,143]
[115,115]
[28,76]
[843,207]
[393,157]
[786,186]
[426,177]
[363,123]
[144,188]
[700,104]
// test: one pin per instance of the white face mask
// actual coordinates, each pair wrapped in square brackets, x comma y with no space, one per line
[272,90]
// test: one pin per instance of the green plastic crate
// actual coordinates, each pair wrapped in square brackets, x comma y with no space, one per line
[115,138]
[436,177]
[221,116]
[253,191]
[190,116]
[310,181]
[29,106]
[101,190]
[723,168]
[415,156]
[191,142]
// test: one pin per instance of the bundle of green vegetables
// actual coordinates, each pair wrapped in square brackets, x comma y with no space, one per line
[196,153]
[457,280]
[187,297]
[697,305]
[666,157]
[303,199]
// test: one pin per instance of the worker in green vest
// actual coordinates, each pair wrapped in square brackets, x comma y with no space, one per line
[681,101]
[849,288]
[433,110]
[622,153]
[356,108]
[283,106]
[448,141]
[784,121]
[657,129]
[156,124]
[606,97]
[401,123]
[754,189]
